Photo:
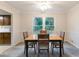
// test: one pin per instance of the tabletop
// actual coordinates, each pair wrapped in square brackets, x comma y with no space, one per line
[33,37]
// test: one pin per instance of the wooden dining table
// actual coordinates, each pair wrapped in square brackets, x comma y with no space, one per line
[32,38]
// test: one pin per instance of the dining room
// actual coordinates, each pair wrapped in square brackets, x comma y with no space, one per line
[42,29]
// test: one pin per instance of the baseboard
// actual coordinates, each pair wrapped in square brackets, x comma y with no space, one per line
[5,48]
[73,44]
[19,42]
[8,47]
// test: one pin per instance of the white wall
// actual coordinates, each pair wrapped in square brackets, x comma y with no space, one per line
[73,25]
[15,21]
[63,22]
[59,18]
[2,12]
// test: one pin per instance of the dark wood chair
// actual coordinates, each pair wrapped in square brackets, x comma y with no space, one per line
[30,44]
[43,32]
[56,44]
[43,43]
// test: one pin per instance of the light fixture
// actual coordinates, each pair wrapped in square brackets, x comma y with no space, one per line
[44,5]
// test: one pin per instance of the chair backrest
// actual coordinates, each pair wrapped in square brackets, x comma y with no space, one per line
[62,34]
[43,31]
[43,39]
[25,34]
[43,36]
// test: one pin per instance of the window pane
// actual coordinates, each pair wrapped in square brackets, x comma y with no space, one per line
[49,21]
[37,28]
[38,21]
[49,28]
[49,24]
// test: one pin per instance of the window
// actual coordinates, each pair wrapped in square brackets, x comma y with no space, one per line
[49,24]
[38,24]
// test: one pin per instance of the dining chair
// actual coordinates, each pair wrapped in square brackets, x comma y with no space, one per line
[43,43]
[43,31]
[30,44]
[56,44]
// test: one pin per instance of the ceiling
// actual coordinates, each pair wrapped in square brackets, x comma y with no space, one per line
[31,6]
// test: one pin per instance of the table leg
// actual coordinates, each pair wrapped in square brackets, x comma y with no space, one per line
[60,50]
[26,48]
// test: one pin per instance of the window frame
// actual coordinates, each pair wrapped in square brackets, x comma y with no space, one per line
[43,25]
[36,32]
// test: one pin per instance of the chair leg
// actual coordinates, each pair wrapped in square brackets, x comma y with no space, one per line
[38,49]
[48,52]
[52,49]
[34,49]
[24,50]
[63,50]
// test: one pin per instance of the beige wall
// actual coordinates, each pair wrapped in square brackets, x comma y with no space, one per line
[67,22]
[73,25]
[15,21]
[2,12]
[27,20]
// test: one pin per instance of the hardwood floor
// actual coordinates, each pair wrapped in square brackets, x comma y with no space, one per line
[18,51]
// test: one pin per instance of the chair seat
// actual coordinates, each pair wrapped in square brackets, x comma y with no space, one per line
[56,44]
[31,44]
[42,46]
